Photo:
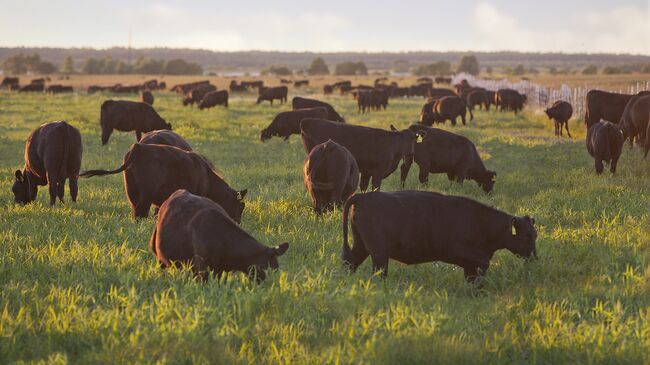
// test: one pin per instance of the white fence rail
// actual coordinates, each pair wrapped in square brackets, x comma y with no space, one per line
[541,97]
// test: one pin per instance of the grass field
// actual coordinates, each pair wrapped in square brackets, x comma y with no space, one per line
[79,284]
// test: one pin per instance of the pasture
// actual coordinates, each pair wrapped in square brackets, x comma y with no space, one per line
[79,284]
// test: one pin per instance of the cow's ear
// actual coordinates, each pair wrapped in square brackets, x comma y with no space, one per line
[392,128]
[280,250]
[241,194]
[19,176]
[169,125]
[513,230]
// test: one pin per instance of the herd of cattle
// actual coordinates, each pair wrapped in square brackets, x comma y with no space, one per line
[199,213]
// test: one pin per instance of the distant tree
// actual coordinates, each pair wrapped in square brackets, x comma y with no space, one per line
[122,68]
[401,66]
[318,67]
[440,68]
[147,66]
[590,70]
[351,68]
[108,66]
[46,68]
[20,64]
[553,70]
[469,64]
[518,71]
[68,65]
[182,67]
[277,70]
[533,71]
[91,66]
[489,70]
[612,70]
[645,68]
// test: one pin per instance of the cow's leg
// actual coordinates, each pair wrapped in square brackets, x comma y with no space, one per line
[141,208]
[453,120]
[61,188]
[363,181]
[376,182]
[566,125]
[423,176]
[74,188]
[380,263]
[138,135]
[358,254]
[462,117]
[53,185]
[474,273]
[451,176]
[612,166]
[200,268]
[405,168]
[599,166]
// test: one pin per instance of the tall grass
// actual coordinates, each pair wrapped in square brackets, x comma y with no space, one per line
[79,285]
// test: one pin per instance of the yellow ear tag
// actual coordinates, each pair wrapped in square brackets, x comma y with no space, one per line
[239,195]
[512,229]
[494,179]
[419,139]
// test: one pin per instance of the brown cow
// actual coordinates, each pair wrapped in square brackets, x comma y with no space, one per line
[196,231]
[52,155]
[560,112]
[10,83]
[450,108]
[509,99]
[272,93]
[287,123]
[167,138]
[32,88]
[153,172]
[214,98]
[477,98]
[605,105]
[330,174]
[377,151]
[146,97]
[126,116]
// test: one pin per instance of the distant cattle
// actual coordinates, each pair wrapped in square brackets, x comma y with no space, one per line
[422,90]
[468,90]
[634,119]
[127,116]
[258,84]
[150,85]
[605,105]
[301,83]
[560,112]
[273,93]
[185,88]
[196,231]
[40,81]
[477,98]
[287,123]
[195,95]
[10,83]
[236,88]
[214,98]
[126,89]
[509,99]
[52,155]
[58,89]
[339,84]
[446,152]
[372,99]
[328,89]
[439,93]
[449,108]
[401,92]
[489,98]
[376,151]
[32,88]
[330,174]
[604,144]
[414,227]
[96,88]
[304,103]
[153,172]
[146,97]
[167,138]
[285,81]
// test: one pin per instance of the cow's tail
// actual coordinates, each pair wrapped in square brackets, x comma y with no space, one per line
[471,115]
[347,251]
[152,241]
[128,161]
[314,165]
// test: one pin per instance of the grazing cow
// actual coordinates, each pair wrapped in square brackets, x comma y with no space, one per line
[477,98]
[196,231]
[450,108]
[301,83]
[377,151]
[331,175]
[52,155]
[634,119]
[95,88]
[32,88]
[40,81]
[287,123]
[465,92]
[345,88]
[150,85]
[439,93]
[604,143]
[560,112]
[415,227]
[57,89]
[128,89]
[146,97]
[328,89]
[214,98]
[153,172]
[272,93]
[372,99]
[167,138]
[489,99]
[285,81]
[339,84]
[195,95]
[162,85]
[423,90]
[304,103]
[10,83]
[185,88]
[126,116]
[401,92]
[446,152]
[509,99]
[426,114]
[605,105]
[236,88]
[252,84]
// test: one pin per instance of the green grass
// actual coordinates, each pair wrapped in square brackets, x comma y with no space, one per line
[79,284]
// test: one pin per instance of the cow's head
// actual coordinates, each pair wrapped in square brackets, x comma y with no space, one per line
[265,134]
[107,130]
[21,188]
[408,139]
[234,204]
[266,259]
[187,100]
[487,180]
[548,112]
[523,231]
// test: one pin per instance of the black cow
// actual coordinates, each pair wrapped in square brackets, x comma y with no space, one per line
[446,152]
[634,119]
[126,116]
[330,174]
[604,143]
[214,98]
[273,93]
[196,231]
[167,138]
[377,151]
[287,123]
[304,103]
[146,97]
[560,112]
[450,108]
[605,105]
[415,227]
[52,155]
[195,95]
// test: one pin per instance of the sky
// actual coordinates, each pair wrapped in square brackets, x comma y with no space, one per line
[570,26]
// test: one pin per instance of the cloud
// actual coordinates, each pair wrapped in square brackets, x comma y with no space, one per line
[624,29]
